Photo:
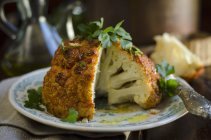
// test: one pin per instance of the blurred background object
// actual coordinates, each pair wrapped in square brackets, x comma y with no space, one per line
[66,17]
[179,17]
[147,18]
[32,43]
[202,48]
[143,18]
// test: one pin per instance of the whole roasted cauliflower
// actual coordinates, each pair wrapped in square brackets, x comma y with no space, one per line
[105,63]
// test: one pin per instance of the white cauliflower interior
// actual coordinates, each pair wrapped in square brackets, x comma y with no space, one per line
[122,79]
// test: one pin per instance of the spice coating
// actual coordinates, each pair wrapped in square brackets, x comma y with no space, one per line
[69,82]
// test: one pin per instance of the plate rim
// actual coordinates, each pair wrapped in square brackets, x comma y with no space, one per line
[82,128]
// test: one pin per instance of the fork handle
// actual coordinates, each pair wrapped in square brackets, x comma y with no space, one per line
[194,102]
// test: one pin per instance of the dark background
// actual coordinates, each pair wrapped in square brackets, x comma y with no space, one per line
[117,11]
[114,11]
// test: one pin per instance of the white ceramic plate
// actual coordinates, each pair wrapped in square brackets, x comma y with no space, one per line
[125,117]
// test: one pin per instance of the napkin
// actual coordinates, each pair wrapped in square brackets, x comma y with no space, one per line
[14,126]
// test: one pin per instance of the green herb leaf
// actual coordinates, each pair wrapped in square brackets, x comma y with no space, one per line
[82,64]
[83,28]
[87,30]
[98,23]
[113,38]
[96,33]
[172,84]
[109,29]
[165,69]
[162,83]
[34,99]
[126,44]
[123,34]
[107,36]
[118,25]
[104,38]
[63,46]
[39,90]
[170,94]
[72,116]
[167,86]
[136,51]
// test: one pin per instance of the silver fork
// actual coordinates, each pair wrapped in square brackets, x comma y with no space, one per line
[194,102]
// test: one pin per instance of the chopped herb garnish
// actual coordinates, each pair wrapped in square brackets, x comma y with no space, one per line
[72,116]
[167,86]
[109,35]
[63,46]
[34,99]
[91,30]
[136,51]
[82,64]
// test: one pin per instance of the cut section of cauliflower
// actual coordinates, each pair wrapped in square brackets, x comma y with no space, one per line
[170,49]
[128,78]
[80,67]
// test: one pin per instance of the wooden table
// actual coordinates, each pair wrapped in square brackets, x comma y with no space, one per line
[189,127]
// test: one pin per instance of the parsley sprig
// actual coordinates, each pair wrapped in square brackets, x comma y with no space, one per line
[35,102]
[135,51]
[109,35]
[34,99]
[167,86]
[91,30]
[72,116]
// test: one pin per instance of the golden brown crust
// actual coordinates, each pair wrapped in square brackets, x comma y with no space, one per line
[68,84]
[153,78]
